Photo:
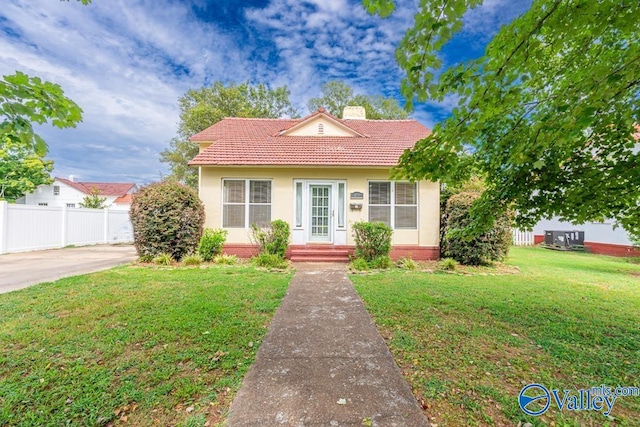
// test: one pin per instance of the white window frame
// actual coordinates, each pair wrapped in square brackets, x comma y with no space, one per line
[392,205]
[56,190]
[247,198]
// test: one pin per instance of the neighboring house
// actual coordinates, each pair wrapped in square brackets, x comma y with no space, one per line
[70,193]
[123,203]
[320,174]
[599,237]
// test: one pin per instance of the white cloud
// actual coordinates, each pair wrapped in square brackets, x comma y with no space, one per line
[321,40]
[485,20]
[124,62]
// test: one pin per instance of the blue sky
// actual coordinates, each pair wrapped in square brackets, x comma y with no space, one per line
[126,62]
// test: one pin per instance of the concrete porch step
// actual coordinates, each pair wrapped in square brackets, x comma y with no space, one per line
[319,254]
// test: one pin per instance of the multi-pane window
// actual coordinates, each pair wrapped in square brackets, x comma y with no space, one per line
[246,202]
[71,205]
[394,203]
[56,190]
[406,205]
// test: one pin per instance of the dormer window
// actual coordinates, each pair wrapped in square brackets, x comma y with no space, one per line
[320,129]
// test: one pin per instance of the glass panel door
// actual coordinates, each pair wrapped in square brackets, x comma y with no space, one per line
[320,213]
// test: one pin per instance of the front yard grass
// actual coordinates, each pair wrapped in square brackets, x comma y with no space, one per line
[133,345]
[468,344]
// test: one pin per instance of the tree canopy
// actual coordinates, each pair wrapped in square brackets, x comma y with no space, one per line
[93,200]
[336,95]
[201,108]
[26,100]
[547,114]
[21,170]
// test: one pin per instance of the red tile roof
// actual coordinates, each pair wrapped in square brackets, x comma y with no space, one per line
[104,188]
[125,200]
[241,141]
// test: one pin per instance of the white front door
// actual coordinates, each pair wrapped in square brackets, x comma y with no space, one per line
[321,213]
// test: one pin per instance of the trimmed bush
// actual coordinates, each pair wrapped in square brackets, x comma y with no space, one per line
[490,246]
[272,240]
[407,264]
[211,243]
[270,261]
[382,262]
[193,259]
[163,259]
[167,217]
[145,258]
[359,264]
[225,259]
[373,240]
[447,264]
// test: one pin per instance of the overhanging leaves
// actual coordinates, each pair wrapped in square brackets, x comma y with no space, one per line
[547,114]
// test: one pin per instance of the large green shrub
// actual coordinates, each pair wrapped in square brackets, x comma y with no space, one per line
[373,240]
[272,240]
[167,218]
[490,246]
[211,243]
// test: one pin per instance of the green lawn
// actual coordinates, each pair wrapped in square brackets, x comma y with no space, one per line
[468,344]
[133,345]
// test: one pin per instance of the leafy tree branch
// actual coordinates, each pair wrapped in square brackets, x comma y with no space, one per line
[548,115]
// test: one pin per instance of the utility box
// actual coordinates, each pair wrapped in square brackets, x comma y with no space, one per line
[564,239]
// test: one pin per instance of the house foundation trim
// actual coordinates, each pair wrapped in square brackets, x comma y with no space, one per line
[610,249]
[601,248]
[415,252]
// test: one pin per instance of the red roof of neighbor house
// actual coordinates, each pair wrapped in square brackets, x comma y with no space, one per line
[242,141]
[126,199]
[104,188]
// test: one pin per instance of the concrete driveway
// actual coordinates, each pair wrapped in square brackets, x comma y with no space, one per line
[20,270]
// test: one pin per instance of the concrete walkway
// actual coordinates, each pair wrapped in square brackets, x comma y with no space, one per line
[323,362]
[24,269]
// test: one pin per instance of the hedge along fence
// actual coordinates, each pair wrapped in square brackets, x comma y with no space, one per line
[167,217]
[490,246]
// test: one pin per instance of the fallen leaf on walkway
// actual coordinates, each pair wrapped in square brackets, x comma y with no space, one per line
[342,401]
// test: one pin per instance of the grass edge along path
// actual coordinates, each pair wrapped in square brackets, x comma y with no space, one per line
[468,344]
[133,345]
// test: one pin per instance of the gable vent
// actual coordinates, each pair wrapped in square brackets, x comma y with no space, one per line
[320,129]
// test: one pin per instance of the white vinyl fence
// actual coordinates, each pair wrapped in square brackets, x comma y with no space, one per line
[29,228]
[522,238]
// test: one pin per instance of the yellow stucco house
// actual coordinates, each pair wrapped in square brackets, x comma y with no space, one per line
[320,174]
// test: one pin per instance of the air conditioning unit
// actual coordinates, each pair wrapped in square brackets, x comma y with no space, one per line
[564,239]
